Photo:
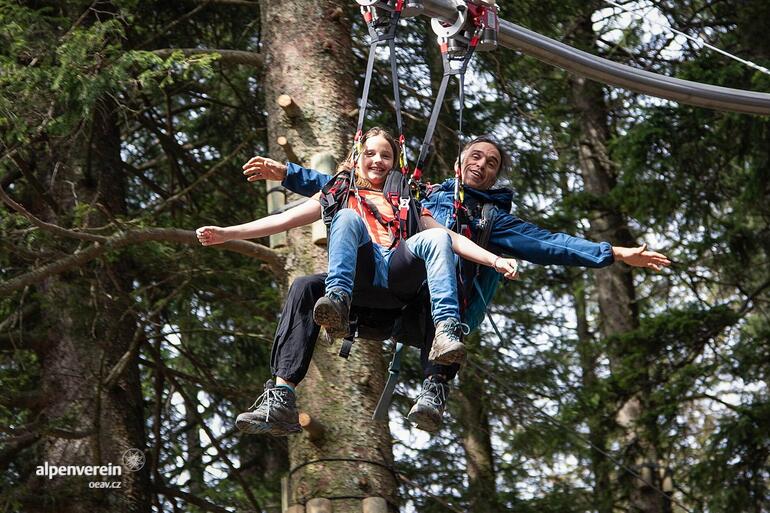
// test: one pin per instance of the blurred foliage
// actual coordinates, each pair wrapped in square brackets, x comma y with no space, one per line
[691,182]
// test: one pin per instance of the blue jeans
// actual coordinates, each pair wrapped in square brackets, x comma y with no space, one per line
[348,233]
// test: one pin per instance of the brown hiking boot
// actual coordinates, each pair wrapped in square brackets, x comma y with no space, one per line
[447,347]
[331,312]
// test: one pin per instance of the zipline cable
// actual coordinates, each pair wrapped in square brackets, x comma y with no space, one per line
[553,52]
[694,39]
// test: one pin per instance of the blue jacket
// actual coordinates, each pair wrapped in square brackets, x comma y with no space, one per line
[510,235]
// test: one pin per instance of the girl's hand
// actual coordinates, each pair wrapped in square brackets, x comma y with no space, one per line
[508,267]
[263,168]
[210,235]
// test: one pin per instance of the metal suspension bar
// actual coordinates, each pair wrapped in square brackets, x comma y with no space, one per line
[514,37]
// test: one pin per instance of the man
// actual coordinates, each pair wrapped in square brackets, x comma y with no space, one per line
[481,162]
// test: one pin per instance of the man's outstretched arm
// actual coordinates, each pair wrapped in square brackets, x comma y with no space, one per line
[294,177]
[534,244]
[641,257]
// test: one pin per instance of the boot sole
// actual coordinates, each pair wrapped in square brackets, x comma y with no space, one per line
[327,317]
[449,357]
[268,428]
[423,421]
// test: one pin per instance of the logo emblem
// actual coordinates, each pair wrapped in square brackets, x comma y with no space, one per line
[133,460]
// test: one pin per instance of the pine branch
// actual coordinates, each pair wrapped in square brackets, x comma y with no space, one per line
[122,364]
[170,146]
[29,399]
[14,446]
[190,498]
[230,57]
[214,440]
[154,187]
[206,385]
[27,173]
[184,17]
[202,178]
[18,316]
[49,227]
[272,258]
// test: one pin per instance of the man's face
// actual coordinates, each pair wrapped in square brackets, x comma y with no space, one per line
[480,165]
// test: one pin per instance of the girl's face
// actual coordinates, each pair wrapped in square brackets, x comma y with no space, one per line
[376,160]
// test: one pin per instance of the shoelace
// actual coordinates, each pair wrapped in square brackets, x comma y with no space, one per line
[267,395]
[438,395]
[450,327]
[335,295]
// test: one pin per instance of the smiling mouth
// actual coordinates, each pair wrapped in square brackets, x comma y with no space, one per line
[475,174]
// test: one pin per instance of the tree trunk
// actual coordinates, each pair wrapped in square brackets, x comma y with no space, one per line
[90,326]
[311,62]
[597,428]
[194,458]
[617,299]
[482,492]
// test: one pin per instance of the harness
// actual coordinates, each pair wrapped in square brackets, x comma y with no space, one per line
[473,297]
[396,190]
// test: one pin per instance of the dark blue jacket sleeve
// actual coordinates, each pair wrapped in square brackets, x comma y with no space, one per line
[304,181]
[528,242]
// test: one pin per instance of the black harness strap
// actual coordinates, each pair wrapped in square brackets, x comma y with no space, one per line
[394,369]
[474,19]
[367,86]
[396,190]
[469,271]
[380,31]
[447,61]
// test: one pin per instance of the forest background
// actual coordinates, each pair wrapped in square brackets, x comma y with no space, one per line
[123,126]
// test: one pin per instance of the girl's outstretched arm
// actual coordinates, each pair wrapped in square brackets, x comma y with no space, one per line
[469,250]
[300,215]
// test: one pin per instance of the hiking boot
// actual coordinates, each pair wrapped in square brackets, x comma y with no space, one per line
[331,312]
[447,347]
[427,412]
[275,413]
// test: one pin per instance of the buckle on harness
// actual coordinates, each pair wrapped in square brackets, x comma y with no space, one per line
[347,342]
[347,345]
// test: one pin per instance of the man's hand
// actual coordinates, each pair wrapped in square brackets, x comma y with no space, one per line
[640,257]
[210,235]
[263,168]
[508,267]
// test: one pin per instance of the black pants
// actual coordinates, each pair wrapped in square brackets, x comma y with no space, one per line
[297,333]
